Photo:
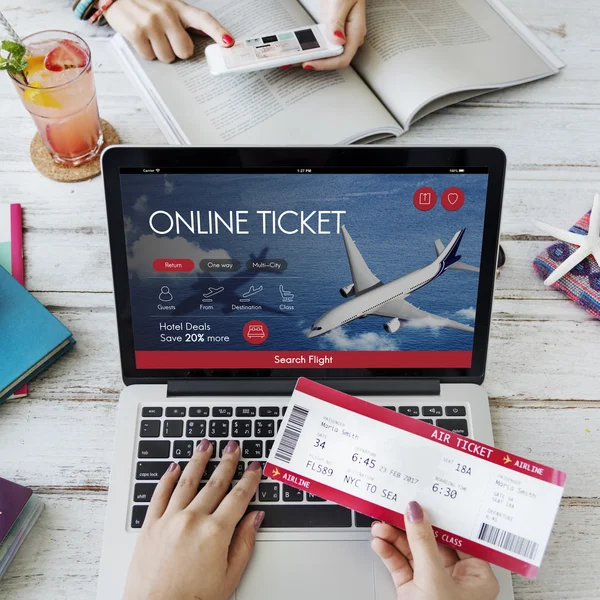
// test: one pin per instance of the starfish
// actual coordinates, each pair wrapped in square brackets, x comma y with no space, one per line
[587,244]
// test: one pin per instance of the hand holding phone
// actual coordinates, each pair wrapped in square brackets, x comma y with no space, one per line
[272,50]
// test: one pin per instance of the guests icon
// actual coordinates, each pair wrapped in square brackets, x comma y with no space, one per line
[165,294]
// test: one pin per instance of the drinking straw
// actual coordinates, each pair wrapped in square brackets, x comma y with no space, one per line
[4,24]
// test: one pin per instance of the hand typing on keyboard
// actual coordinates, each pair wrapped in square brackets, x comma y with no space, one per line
[424,570]
[191,545]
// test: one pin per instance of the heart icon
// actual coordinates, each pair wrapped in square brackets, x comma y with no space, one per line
[453,198]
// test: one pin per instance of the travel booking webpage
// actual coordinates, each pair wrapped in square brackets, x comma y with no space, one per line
[303,268]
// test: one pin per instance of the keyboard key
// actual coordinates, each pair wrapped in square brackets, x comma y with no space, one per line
[138,514]
[361,520]
[150,429]
[222,445]
[152,411]
[252,449]
[214,447]
[222,411]
[143,492]
[268,492]
[268,447]
[264,428]
[175,411]
[279,422]
[183,464]
[239,470]
[390,408]
[432,411]
[151,470]
[283,410]
[409,411]
[456,411]
[262,466]
[313,498]
[210,469]
[268,411]
[199,411]
[291,494]
[156,449]
[195,429]
[302,515]
[241,428]
[245,411]
[454,425]
[430,421]
[183,449]
[219,429]
[172,429]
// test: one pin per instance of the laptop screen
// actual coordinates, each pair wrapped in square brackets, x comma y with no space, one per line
[303,268]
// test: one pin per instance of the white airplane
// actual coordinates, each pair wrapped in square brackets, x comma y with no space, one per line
[373,297]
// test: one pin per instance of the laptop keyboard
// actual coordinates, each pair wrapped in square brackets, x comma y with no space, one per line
[171,433]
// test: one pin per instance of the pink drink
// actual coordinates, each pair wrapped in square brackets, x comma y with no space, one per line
[60,95]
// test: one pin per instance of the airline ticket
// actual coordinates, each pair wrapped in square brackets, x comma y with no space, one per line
[482,500]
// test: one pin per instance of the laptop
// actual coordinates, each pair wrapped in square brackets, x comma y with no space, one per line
[234,274]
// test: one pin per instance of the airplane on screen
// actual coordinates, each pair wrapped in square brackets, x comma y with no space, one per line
[370,296]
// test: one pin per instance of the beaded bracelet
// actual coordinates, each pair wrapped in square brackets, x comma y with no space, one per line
[101,11]
[81,7]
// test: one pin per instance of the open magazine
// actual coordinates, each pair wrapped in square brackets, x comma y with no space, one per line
[419,56]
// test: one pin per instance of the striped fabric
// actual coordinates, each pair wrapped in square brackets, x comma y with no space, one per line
[582,284]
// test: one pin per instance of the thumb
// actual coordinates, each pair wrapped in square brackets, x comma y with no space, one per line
[242,543]
[194,18]
[335,15]
[427,561]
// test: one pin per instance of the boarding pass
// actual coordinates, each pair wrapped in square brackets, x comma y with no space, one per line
[484,501]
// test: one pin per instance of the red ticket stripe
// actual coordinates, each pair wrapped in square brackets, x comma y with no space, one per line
[509,461]
[379,513]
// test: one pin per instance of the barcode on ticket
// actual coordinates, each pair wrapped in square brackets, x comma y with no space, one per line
[508,541]
[291,434]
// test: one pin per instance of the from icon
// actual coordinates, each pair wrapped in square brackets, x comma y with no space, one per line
[207,297]
[255,332]
[286,296]
[453,198]
[251,292]
[165,294]
[424,198]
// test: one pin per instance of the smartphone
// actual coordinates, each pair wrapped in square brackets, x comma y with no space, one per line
[272,50]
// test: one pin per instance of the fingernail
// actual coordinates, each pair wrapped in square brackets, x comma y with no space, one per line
[227,39]
[309,67]
[285,66]
[339,34]
[172,467]
[253,466]
[414,512]
[259,519]
[374,523]
[231,446]
[203,446]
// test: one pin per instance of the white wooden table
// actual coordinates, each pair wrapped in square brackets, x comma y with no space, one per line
[544,368]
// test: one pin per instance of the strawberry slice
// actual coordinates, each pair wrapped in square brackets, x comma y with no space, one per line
[66,55]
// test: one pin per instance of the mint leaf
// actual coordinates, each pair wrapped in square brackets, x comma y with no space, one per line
[15,63]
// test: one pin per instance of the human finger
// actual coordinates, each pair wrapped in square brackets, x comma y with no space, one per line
[334,14]
[180,40]
[161,46]
[140,41]
[195,18]
[162,493]
[189,482]
[217,486]
[242,543]
[235,504]
[395,563]
[427,561]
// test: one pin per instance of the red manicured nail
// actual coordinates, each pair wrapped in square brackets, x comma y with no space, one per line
[203,446]
[172,467]
[339,34]
[285,66]
[309,67]
[414,512]
[259,519]
[254,466]
[227,39]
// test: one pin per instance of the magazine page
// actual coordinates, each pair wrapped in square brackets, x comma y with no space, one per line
[270,107]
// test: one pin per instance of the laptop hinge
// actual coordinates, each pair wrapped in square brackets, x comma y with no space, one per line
[284,387]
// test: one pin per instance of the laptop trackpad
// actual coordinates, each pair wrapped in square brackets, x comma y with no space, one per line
[299,570]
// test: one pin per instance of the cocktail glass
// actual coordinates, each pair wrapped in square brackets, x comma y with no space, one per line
[59,93]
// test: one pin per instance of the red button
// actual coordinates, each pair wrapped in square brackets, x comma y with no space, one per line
[173,265]
[424,198]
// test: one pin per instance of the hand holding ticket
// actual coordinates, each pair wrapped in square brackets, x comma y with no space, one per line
[481,500]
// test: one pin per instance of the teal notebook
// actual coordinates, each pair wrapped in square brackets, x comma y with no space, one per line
[30,337]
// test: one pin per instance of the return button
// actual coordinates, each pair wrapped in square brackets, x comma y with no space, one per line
[173,265]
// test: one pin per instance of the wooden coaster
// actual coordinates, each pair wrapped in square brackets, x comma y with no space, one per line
[42,159]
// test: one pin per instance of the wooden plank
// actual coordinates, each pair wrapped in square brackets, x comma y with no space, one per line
[60,557]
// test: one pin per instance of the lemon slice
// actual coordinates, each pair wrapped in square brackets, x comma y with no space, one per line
[34,64]
[40,97]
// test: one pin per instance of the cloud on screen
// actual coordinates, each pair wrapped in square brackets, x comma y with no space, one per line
[466,313]
[338,339]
